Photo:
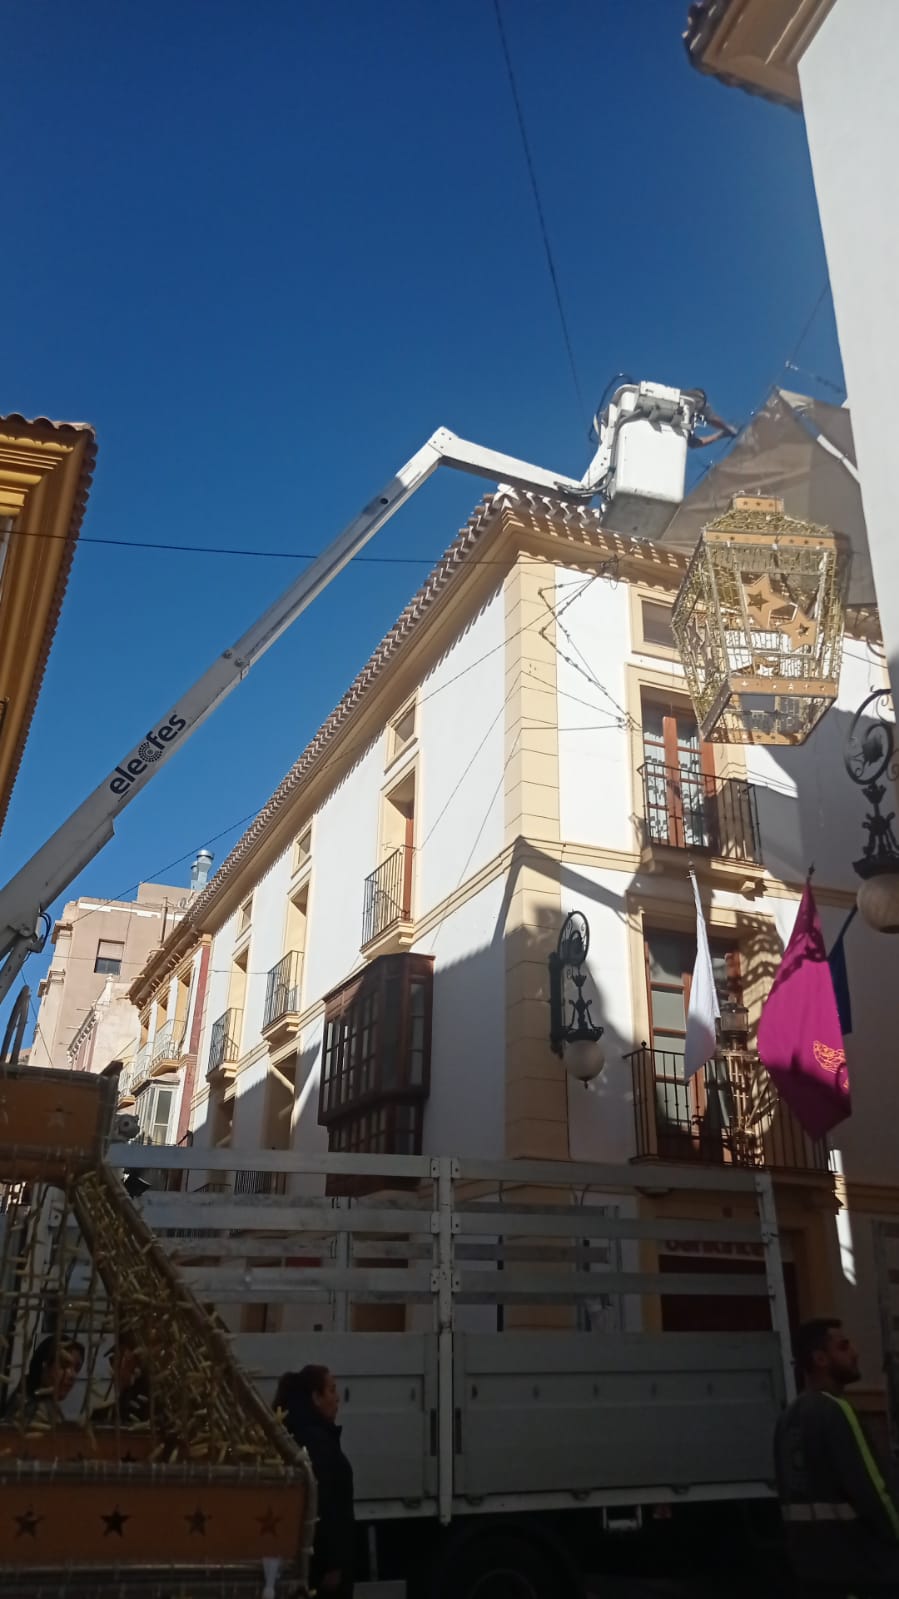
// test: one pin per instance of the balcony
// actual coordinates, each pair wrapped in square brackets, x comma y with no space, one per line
[282,999]
[689,810]
[224,1045]
[167,1047]
[387,904]
[729,1115]
[260,1182]
[135,1074]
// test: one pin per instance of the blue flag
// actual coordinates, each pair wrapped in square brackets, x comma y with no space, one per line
[840,976]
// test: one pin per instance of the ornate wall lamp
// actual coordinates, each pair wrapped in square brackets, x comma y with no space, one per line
[871,761]
[576,1040]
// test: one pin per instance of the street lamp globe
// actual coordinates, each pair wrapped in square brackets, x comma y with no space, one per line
[878,902]
[871,761]
[584,1059]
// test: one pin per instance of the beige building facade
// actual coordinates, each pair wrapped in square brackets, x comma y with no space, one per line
[96,940]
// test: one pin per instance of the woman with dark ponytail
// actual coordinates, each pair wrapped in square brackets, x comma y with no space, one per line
[308,1402]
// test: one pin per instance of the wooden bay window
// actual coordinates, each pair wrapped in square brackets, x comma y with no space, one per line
[377,1060]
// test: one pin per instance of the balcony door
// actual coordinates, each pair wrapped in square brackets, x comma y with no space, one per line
[678,776]
[690,1117]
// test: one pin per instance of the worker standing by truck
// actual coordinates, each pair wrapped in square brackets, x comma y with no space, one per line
[309,1402]
[841,1521]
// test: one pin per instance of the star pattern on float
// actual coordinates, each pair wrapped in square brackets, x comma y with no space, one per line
[269,1522]
[196,1522]
[115,1523]
[27,1524]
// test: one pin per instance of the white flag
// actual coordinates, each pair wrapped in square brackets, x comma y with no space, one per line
[703,1011]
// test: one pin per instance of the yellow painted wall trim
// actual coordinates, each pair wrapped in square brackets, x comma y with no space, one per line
[870,1198]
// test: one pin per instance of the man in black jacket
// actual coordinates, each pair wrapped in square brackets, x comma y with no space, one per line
[841,1521]
[309,1403]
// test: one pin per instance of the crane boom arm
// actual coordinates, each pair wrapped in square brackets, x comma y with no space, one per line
[57,863]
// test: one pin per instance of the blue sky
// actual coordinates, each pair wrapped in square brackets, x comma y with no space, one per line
[267,251]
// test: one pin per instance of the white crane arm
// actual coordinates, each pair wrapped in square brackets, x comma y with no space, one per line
[57,863]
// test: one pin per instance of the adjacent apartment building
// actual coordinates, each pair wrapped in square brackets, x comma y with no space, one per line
[99,948]
[520,746]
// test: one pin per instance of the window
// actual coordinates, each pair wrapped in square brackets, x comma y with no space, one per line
[387,891]
[302,849]
[678,778]
[402,732]
[154,1112]
[656,624]
[377,1057]
[110,955]
[182,998]
[245,917]
[695,1113]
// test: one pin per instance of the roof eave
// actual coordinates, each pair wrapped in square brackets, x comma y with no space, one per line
[82,471]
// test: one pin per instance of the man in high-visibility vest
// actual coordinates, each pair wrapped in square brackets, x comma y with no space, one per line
[841,1521]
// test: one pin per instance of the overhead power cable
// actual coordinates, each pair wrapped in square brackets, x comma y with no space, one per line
[541,216]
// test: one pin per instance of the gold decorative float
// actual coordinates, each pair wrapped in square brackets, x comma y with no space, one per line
[759,624]
[130,1441]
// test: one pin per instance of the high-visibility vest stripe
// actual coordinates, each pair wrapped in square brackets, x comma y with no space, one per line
[870,1463]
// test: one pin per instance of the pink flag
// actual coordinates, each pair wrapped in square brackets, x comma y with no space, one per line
[800,1041]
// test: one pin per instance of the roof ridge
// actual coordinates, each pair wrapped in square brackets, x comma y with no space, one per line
[567,513]
[405,624]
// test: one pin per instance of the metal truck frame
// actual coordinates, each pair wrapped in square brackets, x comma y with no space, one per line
[458,1424]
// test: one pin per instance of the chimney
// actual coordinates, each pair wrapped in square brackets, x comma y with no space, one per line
[199,872]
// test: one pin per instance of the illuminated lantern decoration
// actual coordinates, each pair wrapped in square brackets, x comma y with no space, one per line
[759,624]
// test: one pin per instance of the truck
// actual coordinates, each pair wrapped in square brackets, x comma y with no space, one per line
[518,1414]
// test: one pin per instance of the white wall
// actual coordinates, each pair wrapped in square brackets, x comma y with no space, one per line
[465,1113]
[344,852]
[848,79]
[248,1130]
[809,810]
[461,730]
[595,798]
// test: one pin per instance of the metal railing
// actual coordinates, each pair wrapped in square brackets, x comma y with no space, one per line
[168,1043]
[260,1182]
[224,1045]
[729,1115]
[282,989]
[695,810]
[387,895]
[135,1072]
[465,1236]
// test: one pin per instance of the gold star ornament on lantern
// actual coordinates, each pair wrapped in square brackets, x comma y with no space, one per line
[759,624]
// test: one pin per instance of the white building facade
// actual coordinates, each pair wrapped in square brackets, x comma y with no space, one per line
[521,746]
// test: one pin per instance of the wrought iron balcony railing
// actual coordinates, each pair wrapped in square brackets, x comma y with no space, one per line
[168,1043]
[136,1072]
[260,1182]
[282,989]
[388,895]
[728,1115]
[224,1045]
[694,810]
